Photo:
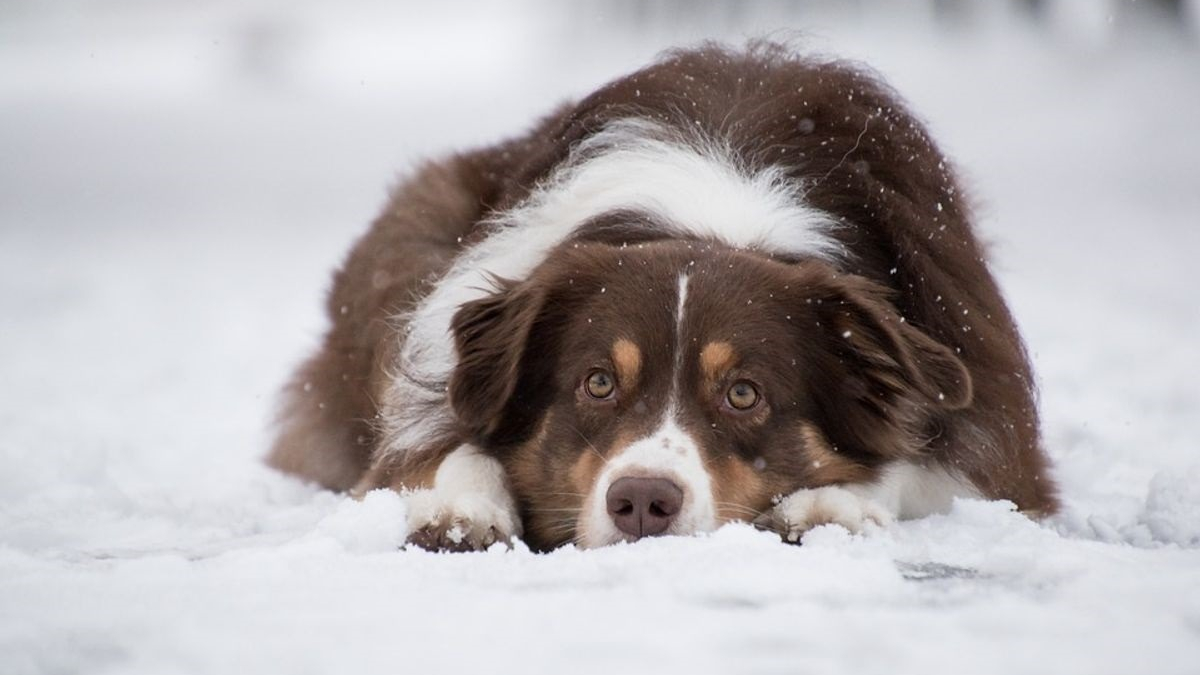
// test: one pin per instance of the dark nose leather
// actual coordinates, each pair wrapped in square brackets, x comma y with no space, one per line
[643,507]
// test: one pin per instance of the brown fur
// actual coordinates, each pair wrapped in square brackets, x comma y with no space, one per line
[825,464]
[740,492]
[907,353]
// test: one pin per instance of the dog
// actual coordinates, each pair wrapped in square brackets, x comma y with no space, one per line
[740,284]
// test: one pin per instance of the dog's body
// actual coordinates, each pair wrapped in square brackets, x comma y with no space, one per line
[731,286]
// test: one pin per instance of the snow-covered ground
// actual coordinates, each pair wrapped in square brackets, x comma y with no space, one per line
[177,180]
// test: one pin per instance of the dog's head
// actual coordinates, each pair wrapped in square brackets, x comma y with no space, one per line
[670,386]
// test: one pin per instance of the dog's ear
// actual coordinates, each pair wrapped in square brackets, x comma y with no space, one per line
[504,361]
[876,343]
[890,369]
[879,382]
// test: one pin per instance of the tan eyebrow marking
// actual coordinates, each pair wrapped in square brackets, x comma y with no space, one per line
[628,360]
[715,359]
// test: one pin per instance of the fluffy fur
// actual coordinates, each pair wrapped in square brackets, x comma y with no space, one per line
[723,227]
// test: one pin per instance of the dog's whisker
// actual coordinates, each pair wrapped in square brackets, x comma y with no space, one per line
[593,448]
[739,511]
[738,507]
[557,494]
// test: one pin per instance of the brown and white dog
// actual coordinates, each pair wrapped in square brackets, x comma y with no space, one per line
[735,285]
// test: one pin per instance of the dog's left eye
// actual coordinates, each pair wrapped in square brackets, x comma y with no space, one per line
[742,396]
[599,384]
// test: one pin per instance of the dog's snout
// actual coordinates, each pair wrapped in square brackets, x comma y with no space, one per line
[643,507]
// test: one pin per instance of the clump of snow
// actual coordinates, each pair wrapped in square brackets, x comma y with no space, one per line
[373,525]
[1170,514]
[171,204]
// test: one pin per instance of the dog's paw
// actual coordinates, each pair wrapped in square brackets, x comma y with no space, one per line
[803,510]
[445,522]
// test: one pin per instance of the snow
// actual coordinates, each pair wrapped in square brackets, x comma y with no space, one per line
[177,181]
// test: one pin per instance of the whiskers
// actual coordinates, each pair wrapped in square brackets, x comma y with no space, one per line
[558,521]
[577,540]
[593,448]
[562,526]
[738,512]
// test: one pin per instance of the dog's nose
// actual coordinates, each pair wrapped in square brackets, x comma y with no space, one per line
[643,507]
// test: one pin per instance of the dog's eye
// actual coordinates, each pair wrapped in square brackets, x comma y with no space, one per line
[599,384]
[742,396]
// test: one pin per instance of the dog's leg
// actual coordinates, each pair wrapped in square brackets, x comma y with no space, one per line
[462,504]
[902,490]
[805,509]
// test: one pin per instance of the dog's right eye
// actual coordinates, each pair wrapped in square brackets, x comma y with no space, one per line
[742,396]
[599,384]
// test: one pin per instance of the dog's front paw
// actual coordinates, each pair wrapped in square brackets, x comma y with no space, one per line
[803,510]
[443,522]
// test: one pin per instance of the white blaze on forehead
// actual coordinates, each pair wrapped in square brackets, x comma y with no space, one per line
[680,310]
[670,453]
[695,186]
